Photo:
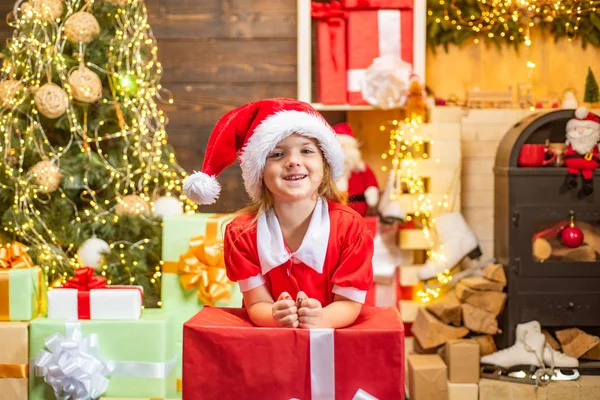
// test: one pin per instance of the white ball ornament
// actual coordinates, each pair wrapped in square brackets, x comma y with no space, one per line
[167,206]
[91,251]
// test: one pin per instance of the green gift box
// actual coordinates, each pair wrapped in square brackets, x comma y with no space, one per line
[141,352]
[21,292]
[177,232]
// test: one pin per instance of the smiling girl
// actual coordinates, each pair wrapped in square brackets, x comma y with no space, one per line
[300,257]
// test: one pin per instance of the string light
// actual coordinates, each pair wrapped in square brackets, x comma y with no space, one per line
[134,73]
[504,17]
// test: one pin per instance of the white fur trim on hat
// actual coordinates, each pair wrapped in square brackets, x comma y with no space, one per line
[202,188]
[273,130]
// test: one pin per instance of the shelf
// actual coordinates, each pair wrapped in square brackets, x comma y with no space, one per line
[343,107]
[537,171]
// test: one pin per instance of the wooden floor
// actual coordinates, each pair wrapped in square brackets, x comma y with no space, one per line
[586,388]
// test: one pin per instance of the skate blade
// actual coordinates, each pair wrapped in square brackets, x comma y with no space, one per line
[526,374]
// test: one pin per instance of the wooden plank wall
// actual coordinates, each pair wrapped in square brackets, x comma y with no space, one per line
[217,55]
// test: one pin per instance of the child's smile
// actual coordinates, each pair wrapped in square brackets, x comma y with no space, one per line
[294,169]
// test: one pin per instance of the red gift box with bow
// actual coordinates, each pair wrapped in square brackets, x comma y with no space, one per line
[87,296]
[331,52]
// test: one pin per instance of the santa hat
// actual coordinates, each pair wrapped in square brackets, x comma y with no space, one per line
[344,133]
[584,118]
[254,130]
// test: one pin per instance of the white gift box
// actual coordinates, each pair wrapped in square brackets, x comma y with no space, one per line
[118,302]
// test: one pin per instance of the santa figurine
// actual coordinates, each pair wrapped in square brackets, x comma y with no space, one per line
[359,181]
[583,134]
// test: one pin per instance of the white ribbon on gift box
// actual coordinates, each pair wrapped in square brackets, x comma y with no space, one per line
[75,370]
[322,367]
[389,28]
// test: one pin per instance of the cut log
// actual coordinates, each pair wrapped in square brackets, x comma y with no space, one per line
[481,283]
[541,249]
[431,332]
[418,349]
[447,309]
[583,253]
[576,342]
[490,301]
[486,344]
[550,339]
[593,353]
[495,272]
[479,320]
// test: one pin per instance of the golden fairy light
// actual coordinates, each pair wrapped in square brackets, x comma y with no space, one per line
[133,72]
[501,17]
[407,149]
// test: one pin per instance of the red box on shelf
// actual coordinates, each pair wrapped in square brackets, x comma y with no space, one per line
[226,356]
[376,28]
[330,53]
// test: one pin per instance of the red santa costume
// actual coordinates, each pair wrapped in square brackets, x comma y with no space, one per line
[336,252]
[359,181]
[583,134]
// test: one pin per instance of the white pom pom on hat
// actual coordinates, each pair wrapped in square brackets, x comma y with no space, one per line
[253,130]
[584,118]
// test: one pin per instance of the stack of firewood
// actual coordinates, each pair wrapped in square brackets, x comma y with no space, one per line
[471,308]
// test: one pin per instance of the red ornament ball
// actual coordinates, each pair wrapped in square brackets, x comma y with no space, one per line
[571,236]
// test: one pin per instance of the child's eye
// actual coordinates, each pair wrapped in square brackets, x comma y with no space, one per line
[276,154]
[307,151]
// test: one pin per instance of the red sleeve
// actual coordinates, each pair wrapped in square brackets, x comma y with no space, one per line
[241,256]
[354,273]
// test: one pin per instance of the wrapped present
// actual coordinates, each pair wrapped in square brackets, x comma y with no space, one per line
[91,358]
[331,52]
[88,297]
[377,29]
[21,284]
[194,270]
[14,360]
[223,349]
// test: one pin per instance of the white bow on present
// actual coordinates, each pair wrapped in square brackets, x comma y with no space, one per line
[73,366]
[386,81]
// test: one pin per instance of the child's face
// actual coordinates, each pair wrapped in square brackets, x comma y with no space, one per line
[294,169]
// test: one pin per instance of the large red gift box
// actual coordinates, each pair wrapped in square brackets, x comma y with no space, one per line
[376,28]
[226,357]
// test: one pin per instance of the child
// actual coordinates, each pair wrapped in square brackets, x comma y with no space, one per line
[300,258]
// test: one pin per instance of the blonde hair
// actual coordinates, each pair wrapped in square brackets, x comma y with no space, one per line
[327,189]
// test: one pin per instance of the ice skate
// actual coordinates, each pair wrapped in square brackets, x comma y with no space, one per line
[458,241]
[530,360]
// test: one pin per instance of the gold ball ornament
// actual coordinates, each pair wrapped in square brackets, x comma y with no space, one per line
[51,100]
[46,175]
[82,27]
[9,90]
[46,10]
[86,85]
[132,204]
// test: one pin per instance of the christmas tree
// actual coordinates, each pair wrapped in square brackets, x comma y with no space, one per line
[591,88]
[87,172]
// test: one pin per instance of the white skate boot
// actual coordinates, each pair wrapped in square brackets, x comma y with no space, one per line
[458,241]
[530,360]
[389,206]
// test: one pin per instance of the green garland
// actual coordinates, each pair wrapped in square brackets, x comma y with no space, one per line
[444,33]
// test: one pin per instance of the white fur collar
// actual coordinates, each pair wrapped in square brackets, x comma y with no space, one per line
[271,246]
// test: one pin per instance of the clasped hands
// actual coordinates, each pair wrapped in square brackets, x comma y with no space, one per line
[301,313]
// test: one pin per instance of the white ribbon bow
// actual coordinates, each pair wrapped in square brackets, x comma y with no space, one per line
[73,366]
[386,82]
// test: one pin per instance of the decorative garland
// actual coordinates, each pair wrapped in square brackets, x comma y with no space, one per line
[444,28]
